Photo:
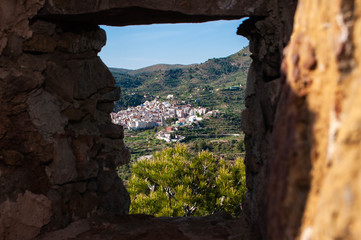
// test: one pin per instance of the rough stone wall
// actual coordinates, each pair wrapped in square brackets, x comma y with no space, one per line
[268,37]
[58,147]
[125,12]
[303,127]
[323,86]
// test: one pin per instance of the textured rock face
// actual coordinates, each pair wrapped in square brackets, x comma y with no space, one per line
[303,144]
[23,218]
[58,148]
[140,227]
[323,75]
[268,37]
[118,13]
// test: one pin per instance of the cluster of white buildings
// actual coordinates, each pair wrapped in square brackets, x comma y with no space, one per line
[168,135]
[154,113]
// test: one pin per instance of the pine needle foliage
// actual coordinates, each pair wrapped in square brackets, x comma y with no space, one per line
[176,182]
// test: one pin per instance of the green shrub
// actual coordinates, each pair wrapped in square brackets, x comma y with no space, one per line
[177,183]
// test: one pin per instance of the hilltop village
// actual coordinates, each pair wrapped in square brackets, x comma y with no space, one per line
[155,113]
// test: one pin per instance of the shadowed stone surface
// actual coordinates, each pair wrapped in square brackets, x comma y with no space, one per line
[24,217]
[54,137]
[137,227]
[268,37]
[59,149]
[323,73]
[57,141]
[119,13]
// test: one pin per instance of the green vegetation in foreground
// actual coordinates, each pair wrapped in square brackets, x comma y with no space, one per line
[206,174]
[175,182]
[216,134]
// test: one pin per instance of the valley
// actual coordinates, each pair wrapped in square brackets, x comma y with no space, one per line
[217,85]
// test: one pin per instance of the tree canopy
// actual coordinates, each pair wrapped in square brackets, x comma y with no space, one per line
[176,182]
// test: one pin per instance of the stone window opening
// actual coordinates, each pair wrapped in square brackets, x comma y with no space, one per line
[58,97]
[234,32]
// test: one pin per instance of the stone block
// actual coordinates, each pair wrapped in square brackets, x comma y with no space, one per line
[63,168]
[117,201]
[59,80]
[12,157]
[106,107]
[24,218]
[14,46]
[40,43]
[83,205]
[92,77]
[111,96]
[74,114]
[106,181]
[247,121]
[112,131]
[45,113]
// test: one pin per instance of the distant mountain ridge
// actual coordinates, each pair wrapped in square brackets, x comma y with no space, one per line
[152,68]
[201,82]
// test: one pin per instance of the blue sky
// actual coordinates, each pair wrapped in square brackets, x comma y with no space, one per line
[134,47]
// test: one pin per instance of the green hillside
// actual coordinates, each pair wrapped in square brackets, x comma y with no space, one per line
[207,84]
[218,83]
[153,68]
